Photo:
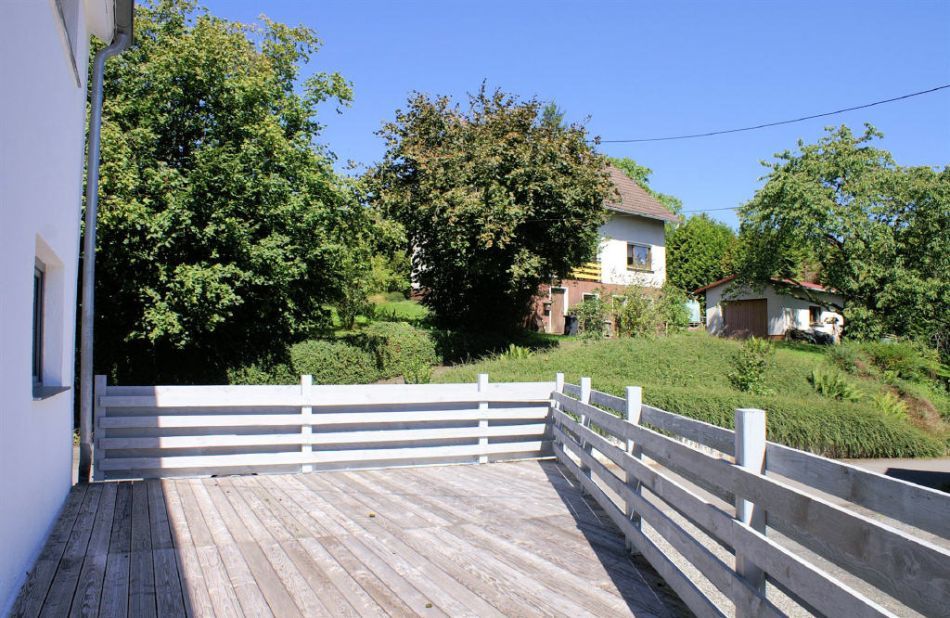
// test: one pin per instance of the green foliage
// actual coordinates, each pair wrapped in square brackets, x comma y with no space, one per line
[833,385]
[333,362]
[890,404]
[673,316]
[517,352]
[493,201]
[590,314]
[750,366]
[686,374]
[643,313]
[400,349]
[875,231]
[696,251]
[396,308]
[224,232]
[263,373]
[845,356]
[640,174]
[904,359]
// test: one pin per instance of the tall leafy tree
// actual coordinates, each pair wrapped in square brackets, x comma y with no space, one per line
[223,230]
[696,251]
[641,175]
[878,232]
[494,199]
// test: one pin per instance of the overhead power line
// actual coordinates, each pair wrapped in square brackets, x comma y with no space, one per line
[773,124]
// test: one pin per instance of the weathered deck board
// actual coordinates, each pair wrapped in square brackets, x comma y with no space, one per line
[498,539]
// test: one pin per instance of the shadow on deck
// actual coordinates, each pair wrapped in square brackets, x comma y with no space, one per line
[497,539]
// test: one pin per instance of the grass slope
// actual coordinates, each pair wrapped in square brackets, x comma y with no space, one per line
[687,374]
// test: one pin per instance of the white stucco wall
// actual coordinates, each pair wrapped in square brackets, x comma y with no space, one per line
[42,117]
[616,233]
[784,312]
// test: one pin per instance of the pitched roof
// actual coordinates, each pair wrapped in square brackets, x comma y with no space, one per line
[816,287]
[634,200]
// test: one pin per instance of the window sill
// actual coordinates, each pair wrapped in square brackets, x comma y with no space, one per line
[646,271]
[45,392]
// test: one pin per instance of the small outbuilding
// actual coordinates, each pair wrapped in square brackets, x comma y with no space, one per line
[774,310]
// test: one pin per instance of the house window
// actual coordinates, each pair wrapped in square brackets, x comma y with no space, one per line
[814,314]
[591,296]
[39,293]
[639,257]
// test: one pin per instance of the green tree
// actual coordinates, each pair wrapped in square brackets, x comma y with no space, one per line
[877,232]
[223,230]
[696,251]
[641,175]
[494,202]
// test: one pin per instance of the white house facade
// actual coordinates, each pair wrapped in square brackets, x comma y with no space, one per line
[44,46]
[632,251]
[767,312]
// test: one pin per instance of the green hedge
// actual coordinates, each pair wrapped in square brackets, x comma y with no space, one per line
[331,362]
[401,350]
[833,429]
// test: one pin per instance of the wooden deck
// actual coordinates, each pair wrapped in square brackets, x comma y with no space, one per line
[514,539]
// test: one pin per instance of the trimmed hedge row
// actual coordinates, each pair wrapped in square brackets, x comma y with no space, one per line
[838,429]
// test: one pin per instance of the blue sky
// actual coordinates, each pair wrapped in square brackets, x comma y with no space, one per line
[635,69]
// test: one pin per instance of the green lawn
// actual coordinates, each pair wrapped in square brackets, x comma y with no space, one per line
[687,374]
[395,307]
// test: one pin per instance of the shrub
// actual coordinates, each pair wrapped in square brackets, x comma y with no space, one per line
[845,356]
[262,373]
[907,360]
[890,404]
[400,349]
[644,313]
[671,311]
[332,362]
[750,364]
[833,385]
[636,316]
[590,315]
[516,352]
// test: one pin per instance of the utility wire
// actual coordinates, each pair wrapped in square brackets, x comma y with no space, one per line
[774,124]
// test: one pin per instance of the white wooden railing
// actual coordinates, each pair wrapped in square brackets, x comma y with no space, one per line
[162,431]
[831,538]
[761,524]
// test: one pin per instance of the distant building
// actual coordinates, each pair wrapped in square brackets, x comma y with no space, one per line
[632,251]
[733,311]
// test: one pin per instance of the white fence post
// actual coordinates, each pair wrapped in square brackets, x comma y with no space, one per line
[98,389]
[750,454]
[585,420]
[483,423]
[632,414]
[306,382]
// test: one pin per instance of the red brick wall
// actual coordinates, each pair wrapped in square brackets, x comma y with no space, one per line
[575,294]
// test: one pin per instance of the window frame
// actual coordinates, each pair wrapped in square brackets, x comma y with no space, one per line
[814,310]
[631,257]
[39,322]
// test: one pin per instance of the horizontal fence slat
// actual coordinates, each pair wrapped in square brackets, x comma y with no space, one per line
[715,570]
[318,419]
[323,396]
[921,507]
[341,456]
[572,389]
[821,590]
[707,434]
[341,437]
[687,590]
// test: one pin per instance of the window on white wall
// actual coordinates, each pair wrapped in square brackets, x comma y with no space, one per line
[639,257]
[39,304]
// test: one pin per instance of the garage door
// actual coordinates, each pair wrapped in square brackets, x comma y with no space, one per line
[746,318]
